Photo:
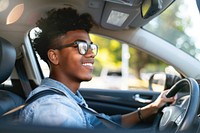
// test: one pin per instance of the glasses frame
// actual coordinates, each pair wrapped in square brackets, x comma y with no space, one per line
[77,42]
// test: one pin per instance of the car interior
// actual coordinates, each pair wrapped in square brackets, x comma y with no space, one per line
[19,64]
[8,100]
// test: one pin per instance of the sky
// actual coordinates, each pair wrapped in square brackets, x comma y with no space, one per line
[193,12]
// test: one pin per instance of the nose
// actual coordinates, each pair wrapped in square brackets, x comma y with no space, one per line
[92,50]
[90,53]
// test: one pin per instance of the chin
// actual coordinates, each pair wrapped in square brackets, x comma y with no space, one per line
[87,79]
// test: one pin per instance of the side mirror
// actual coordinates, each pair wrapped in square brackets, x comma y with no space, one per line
[162,81]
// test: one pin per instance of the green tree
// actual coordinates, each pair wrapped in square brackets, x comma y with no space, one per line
[172,26]
[109,54]
[142,62]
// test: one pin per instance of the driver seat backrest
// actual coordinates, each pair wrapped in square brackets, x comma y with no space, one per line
[8,100]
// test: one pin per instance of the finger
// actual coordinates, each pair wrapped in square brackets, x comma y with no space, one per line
[171,99]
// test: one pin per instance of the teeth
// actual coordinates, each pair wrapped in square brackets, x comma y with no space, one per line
[87,64]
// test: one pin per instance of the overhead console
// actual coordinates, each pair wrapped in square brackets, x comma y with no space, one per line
[122,14]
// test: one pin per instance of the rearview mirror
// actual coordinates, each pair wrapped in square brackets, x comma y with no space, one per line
[150,7]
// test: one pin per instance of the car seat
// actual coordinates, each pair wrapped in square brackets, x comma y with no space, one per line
[8,99]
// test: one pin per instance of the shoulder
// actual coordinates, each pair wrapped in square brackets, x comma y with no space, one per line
[57,108]
[53,101]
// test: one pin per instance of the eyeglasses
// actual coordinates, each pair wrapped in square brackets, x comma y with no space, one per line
[83,47]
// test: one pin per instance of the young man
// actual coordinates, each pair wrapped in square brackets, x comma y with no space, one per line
[65,45]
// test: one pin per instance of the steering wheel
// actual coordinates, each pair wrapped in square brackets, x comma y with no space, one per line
[176,118]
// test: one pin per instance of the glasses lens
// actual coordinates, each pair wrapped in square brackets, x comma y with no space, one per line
[82,47]
[94,48]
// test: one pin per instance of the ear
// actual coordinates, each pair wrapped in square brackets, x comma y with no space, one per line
[53,56]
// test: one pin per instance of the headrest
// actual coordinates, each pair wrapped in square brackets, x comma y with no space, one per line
[7,59]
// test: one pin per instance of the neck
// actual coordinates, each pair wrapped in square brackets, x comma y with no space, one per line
[73,85]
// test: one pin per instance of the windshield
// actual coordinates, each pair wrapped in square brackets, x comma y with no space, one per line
[179,25]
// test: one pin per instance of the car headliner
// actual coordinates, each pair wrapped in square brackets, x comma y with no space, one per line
[99,9]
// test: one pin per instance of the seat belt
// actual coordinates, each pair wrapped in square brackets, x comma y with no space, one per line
[107,122]
[30,100]
[23,76]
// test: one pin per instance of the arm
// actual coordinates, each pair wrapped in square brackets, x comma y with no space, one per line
[132,118]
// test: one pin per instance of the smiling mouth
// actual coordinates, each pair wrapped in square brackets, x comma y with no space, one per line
[88,64]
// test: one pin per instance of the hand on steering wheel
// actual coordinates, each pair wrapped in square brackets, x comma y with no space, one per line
[175,118]
[162,100]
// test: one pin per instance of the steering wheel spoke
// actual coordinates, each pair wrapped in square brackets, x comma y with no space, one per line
[171,118]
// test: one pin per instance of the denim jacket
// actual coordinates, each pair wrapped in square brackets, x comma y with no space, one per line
[60,110]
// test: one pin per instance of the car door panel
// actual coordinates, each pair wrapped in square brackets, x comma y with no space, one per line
[117,101]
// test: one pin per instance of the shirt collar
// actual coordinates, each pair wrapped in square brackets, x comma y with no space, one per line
[51,83]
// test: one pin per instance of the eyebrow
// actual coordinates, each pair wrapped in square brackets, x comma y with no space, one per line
[83,41]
